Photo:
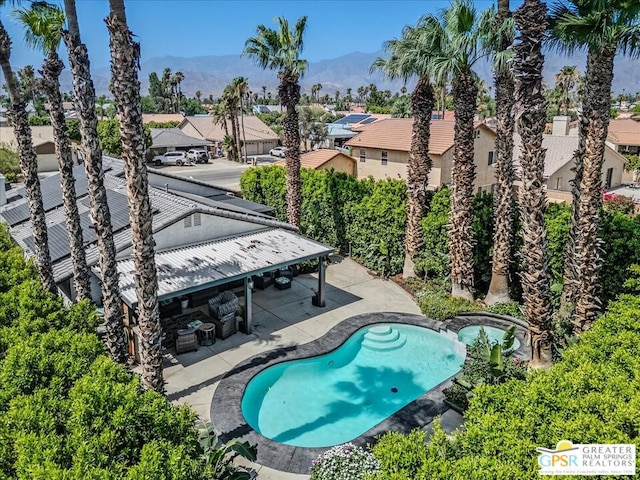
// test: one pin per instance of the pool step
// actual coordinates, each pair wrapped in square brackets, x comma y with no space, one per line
[383,337]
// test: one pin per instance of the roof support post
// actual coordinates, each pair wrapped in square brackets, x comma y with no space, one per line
[248,304]
[321,281]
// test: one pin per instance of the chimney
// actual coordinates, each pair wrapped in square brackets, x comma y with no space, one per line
[561,125]
[3,194]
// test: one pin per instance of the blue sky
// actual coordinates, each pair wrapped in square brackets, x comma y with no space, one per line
[190,28]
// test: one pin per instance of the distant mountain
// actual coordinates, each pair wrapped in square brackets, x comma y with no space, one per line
[210,74]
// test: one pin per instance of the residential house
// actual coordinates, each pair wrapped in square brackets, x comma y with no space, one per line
[559,164]
[168,139]
[259,137]
[325,159]
[42,142]
[624,138]
[381,150]
[162,118]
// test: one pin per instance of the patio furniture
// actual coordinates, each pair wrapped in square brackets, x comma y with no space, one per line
[169,308]
[226,325]
[207,332]
[186,340]
[263,281]
[282,283]
[284,272]
[223,304]
[202,296]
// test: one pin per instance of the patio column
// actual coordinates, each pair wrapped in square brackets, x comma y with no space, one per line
[321,281]
[248,303]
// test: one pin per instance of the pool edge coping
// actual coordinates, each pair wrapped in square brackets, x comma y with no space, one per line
[228,420]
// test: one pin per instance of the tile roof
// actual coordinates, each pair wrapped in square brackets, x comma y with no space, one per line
[162,117]
[192,268]
[317,158]
[40,135]
[395,134]
[254,128]
[624,132]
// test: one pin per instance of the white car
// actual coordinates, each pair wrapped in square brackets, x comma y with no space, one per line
[278,152]
[198,156]
[172,158]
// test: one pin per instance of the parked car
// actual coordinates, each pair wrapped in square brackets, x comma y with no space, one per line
[278,152]
[198,156]
[172,158]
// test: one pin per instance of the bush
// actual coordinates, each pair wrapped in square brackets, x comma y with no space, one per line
[433,261]
[512,309]
[440,305]
[342,462]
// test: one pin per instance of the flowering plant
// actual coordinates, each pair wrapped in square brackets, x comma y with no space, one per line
[344,462]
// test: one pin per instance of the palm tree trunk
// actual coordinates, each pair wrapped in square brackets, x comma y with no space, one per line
[465,94]
[589,261]
[234,135]
[289,93]
[422,102]
[85,99]
[51,82]
[531,107]
[125,58]
[29,165]
[503,226]
[244,135]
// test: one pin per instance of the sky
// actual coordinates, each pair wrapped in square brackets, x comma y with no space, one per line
[191,28]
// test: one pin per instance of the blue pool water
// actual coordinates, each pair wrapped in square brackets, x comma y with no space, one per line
[469,334]
[334,398]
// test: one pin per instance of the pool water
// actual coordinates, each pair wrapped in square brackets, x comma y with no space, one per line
[334,398]
[468,335]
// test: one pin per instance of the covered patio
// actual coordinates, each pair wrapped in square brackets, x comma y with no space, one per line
[199,271]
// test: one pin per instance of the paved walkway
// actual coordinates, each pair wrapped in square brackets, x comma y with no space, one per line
[282,318]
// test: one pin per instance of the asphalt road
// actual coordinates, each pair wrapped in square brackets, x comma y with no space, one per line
[219,172]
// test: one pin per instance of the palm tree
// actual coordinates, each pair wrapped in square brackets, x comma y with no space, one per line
[410,56]
[504,173]
[230,102]
[349,97]
[241,88]
[43,24]
[198,95]
[280,50]
[264,93]
[565,81]
[125,58]
[604,28]
[28,164]
[85,100]
[531,114]
[457,33]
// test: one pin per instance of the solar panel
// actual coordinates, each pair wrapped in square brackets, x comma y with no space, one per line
[118,208]
[353,118]
[17,214]
[58,242]
[367,121]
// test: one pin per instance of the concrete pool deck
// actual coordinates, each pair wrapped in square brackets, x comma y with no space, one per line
[284,320]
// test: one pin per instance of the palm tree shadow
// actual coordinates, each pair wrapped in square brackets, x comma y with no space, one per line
[377,391]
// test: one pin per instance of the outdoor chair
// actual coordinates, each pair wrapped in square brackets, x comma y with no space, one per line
[223,304]
[263,281]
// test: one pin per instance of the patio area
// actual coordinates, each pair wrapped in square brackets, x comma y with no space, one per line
[281,318]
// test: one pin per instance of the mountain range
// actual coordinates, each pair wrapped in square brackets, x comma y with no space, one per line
[210,74]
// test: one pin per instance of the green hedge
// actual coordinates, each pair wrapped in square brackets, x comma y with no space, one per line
[590,396]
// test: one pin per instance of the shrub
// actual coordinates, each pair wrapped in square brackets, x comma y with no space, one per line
[342,462]
[512,309]
[613,203]
[433,261]
[440,305]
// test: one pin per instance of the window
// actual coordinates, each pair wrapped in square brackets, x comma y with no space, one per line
[607,184]
[187,222]
[490,158]
[384,157]
[559,183]
[363,154]
[197,221]
[476,133]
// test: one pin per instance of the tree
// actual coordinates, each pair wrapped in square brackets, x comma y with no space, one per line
[411,56]
[230,103]
[603,28]
[125,60]
[43,24]
[280,50]
[566,80]
[19,118]
[504,172]
[531,23]
[85,98]
[458,32]
[240,89]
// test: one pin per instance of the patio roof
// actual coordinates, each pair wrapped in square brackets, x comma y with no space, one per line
[189,269]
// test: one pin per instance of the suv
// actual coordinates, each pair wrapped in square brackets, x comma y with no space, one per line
[176,157]
[198,156]
[278,152]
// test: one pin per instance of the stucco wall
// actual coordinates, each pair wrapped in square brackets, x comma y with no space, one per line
[190,130]
[340,164]
[560,179]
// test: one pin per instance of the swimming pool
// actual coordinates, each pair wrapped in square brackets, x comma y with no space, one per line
[468,335]
[336,397]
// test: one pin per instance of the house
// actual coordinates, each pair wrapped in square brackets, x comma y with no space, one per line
[325,159]
[382,148]
[42,142]
[558,166]
[201,245]
[624,136]
[259,137]
[167,139]
[162,118]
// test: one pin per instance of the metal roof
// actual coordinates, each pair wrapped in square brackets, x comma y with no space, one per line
[189,269]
